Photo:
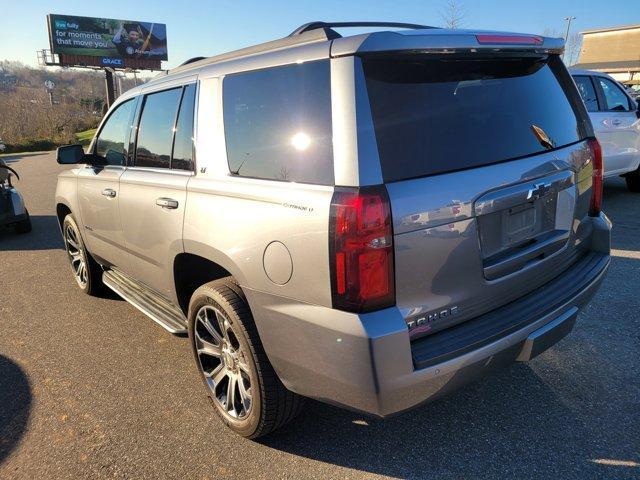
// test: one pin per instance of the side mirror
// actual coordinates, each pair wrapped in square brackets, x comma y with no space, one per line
[70,154]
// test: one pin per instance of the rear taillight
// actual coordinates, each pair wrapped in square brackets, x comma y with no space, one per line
[596,188]
[361,249]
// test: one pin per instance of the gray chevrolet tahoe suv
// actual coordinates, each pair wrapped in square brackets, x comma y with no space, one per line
[370,220]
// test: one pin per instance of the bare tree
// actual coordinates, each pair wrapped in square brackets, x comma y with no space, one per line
[453,14]
[284,173]
[27,114]
[572,49]
[551,32]
[572,45]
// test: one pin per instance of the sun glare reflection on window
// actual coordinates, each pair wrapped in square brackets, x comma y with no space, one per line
[300,141]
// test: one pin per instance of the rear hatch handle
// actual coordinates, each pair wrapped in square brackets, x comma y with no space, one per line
[509,197]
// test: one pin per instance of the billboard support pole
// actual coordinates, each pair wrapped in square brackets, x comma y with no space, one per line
[108,82]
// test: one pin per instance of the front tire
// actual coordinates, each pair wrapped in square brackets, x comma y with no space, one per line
[86,271]
[244,389]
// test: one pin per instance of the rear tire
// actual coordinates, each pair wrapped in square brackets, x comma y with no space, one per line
[23,226]
[233,364]
[86,271]
[633,181]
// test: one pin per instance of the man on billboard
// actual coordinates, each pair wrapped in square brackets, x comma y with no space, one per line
[139,39]
[128,43]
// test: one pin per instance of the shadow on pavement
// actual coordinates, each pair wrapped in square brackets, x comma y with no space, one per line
[495,428]
[44,236]
[15,405]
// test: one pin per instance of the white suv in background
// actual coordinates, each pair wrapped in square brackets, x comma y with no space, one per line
[616,122]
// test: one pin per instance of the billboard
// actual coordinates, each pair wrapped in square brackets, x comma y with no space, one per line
[113,40]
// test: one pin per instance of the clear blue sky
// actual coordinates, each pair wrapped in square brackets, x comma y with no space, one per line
[208,27]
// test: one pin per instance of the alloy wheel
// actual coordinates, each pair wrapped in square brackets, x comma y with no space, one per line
[223,362]
[76,256]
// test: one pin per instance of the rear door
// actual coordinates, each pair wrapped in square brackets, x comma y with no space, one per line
[99,187]
[153,190]
[617,127]
[488,174]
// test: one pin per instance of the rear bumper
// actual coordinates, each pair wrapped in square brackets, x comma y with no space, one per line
[366,362]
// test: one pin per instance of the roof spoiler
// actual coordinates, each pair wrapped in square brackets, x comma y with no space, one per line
[446,42]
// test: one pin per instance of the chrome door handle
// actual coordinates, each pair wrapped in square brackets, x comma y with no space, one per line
[167,202]
[615,122]
[109,192]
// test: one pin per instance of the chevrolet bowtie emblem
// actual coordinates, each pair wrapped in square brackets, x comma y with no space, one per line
[538,190]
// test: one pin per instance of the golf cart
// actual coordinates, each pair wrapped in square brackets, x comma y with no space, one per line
[13,213]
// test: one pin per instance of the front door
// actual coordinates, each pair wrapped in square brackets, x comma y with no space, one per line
[99,186]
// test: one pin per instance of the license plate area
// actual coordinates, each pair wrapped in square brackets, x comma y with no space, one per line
[524,224]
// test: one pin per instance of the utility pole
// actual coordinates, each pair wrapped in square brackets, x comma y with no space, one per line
[566,34]
[119,77]
[108,80]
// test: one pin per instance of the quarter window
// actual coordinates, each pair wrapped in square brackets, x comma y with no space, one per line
[614,97]
[587,92]
[155,133]
[277,123]
[182,157]
[110,144]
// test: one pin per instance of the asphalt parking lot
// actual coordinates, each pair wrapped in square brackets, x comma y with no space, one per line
[91,388]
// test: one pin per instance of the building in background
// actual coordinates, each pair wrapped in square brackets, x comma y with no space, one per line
[615,51]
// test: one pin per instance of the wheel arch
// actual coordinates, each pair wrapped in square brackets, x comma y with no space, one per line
[62,210]
[192,270]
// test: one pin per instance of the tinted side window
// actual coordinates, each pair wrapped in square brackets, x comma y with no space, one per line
[110,144]
[155,133]
[277,123]
[587,92]
[614,96]
[183,145]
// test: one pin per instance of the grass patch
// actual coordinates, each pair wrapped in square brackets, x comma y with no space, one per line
[84,138]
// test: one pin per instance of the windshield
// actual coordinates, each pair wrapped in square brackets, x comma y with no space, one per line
[439,115]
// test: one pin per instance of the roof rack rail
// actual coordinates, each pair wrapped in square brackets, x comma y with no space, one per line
[330,25]
[191,60]
[315,35]
[307,33]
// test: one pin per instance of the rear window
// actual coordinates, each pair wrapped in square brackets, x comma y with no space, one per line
[439,115]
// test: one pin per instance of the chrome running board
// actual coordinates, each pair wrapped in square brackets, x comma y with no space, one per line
[161,311]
